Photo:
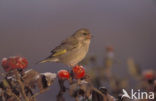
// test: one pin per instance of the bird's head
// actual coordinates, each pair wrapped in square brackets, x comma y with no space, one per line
[82,34]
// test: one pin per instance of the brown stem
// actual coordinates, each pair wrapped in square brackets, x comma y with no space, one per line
[61,91]
[98,91]
[76,99]
[38,93]
[21,85]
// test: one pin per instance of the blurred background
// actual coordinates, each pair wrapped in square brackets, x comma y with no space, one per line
[33,28]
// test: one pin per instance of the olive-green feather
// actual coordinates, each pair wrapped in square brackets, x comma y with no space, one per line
[61,52]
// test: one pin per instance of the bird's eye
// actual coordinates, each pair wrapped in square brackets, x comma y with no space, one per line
[84,33]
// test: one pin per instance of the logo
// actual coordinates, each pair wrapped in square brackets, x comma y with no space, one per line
[137,95]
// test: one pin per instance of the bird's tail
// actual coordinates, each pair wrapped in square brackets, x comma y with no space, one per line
[43,61]
[47,60]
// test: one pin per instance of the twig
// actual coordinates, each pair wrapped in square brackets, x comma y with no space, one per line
[61,91]
[98,91]
[21,85]
[2,94]
[18,99]
[38,93]
[10,92]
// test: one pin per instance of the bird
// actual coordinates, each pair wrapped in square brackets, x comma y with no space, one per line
[72,50]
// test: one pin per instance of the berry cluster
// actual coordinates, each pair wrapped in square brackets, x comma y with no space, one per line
[15,62]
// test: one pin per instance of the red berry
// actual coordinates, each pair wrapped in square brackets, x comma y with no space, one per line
[21,62]
[63,74]
[149,74]
[4,62]
[12,63]
[79,72]
[109,49]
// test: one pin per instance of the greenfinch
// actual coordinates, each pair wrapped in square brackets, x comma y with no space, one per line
[72,50]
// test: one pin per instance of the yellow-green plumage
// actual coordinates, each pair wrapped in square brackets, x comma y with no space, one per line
[72,50]
[60,52]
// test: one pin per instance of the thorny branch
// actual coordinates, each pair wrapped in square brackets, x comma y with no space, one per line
[19,85]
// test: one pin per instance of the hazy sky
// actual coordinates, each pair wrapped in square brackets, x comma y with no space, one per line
[32,28]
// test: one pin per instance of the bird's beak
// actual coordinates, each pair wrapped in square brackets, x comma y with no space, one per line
[89,36]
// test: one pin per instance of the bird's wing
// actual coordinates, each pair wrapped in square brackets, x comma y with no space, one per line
[65,46]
